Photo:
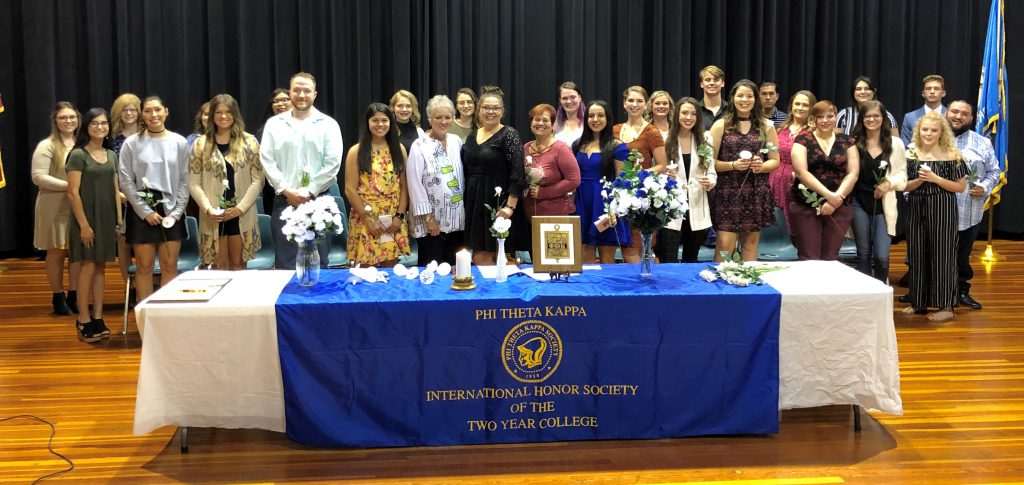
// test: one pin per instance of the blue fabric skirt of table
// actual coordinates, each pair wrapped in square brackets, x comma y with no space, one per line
[603,356]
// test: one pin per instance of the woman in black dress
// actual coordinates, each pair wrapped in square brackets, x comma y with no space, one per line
[492,159]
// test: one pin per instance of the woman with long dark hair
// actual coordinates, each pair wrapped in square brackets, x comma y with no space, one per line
[375,186]
[155,162]
[883,172]
[863,90]
[93,194]
[280,102]
[52,209]
[746,148]
[600,156]
[694,171]
[225,177]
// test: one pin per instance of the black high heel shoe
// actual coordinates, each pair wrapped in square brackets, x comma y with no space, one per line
[60,305]
[87,332]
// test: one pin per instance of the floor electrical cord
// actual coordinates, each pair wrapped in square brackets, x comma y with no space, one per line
[49,445]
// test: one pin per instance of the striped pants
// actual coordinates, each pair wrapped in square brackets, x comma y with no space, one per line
[931,249]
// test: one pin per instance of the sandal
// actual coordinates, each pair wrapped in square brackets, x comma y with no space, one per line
[87,332]
[913,311]
[941,316]
[101,328]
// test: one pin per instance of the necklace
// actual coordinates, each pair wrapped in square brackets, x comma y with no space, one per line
[155,132]
[537,149]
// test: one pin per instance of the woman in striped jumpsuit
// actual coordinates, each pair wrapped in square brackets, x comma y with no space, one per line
[936,172]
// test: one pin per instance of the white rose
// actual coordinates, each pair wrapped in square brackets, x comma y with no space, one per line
[708,138]
[497,191]
[145,182]
[501,224]
[746,155]
[708,275]
[801,186]
[883,164]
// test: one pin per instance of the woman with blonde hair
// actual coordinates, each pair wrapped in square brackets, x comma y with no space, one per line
[52,209]
[125,121]
[407,115]
[225,177]
[660,108]
[936,172]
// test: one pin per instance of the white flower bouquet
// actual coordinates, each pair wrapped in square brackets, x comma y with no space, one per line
[312,221]
[734,271]
[643,198]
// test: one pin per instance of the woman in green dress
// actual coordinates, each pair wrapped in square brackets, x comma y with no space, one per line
[92,192]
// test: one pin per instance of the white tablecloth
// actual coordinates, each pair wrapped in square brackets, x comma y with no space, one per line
[216,364]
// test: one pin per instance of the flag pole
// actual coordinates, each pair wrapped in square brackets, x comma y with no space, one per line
[990,255]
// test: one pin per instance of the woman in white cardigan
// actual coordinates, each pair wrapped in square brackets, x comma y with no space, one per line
[691,161]
[883,172]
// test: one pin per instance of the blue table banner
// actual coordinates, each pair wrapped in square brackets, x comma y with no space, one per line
[605,355]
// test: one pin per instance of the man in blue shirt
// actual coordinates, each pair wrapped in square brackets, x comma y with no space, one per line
[769,94]
[933,91]
[301,152]
[983,175]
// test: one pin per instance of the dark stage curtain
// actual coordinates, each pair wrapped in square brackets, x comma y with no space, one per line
[186,51]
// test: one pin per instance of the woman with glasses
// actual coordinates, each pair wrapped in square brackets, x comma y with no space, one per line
[492,159]
[93,193]
[465,114]
[52,209]
[569,118]
[125,121]
[280,102]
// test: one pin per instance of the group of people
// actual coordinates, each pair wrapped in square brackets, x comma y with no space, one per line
[116,185]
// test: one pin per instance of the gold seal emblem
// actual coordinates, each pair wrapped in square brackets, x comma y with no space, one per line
[531,351]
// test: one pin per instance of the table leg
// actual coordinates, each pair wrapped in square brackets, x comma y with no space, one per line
[183,434]
[856,418]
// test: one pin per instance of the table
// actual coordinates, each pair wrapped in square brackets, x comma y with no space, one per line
[216,364]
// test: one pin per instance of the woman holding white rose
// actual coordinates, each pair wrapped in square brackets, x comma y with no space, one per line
[435,180]
[225,178]
[746,148]
[691,161]
[936,175]
[153,173]
[826,164]
[375,186]
[493,162]
[883,171]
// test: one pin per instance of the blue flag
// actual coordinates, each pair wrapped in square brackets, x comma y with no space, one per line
[993,106]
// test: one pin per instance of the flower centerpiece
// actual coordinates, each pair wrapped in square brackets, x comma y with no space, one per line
[646,200]
[734,271]
[499,229]
[307,225]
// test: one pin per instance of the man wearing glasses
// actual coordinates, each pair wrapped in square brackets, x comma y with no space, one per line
[301,152]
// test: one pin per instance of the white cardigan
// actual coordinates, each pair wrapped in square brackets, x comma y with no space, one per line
[700,211]
[898,178]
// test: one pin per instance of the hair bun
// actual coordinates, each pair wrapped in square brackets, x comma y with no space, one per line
[492,90]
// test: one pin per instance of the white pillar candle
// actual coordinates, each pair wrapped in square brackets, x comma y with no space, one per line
[462,262]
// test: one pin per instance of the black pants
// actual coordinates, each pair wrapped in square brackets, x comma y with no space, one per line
[440,248]
[667,248]
[964,245]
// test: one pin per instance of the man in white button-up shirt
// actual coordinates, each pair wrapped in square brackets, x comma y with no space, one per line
[301,152]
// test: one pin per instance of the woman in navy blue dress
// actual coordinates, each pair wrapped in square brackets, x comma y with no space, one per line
[600,155]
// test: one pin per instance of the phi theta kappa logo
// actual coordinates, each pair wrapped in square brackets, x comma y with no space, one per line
[531,351]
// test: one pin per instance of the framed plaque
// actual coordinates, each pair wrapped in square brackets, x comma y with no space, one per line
[557,244]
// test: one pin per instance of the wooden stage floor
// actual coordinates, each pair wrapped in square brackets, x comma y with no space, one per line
[962,387]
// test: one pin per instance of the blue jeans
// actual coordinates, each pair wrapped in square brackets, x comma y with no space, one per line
[871,243]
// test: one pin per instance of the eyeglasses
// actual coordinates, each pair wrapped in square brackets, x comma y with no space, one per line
[67,118]
[99,124]
[491,109]
[281,100]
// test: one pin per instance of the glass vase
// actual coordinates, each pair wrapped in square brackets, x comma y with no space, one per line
[307,263]
[646,256]
[500,262]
